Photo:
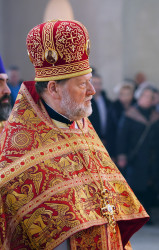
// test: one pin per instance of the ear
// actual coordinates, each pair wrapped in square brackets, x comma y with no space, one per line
[53,89]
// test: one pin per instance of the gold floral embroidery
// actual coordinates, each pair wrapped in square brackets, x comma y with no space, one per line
[63,69]
[35,49]
[70,41]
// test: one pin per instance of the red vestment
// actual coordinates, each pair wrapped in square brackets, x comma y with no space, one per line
[47,195]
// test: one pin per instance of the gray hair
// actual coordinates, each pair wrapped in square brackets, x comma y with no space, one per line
[140,90]
[41,86]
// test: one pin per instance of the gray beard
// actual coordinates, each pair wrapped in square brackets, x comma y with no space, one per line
[72,110]
[5,112]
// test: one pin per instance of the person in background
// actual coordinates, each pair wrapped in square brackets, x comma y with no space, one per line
[59,188]
[125,99]
[5,105]
[139,79]
[156,99]
[14,82]
[100,106]
[141,83]
[137,148]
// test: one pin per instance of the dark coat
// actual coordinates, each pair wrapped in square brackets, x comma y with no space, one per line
[117,110]
[143,167]
[96,122]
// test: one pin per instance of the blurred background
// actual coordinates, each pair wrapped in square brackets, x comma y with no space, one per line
[124,34]
[124,38]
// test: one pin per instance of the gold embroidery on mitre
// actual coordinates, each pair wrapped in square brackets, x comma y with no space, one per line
[70,41]
[63,71]
[30,57]
[51,54]
[36,53]
[54,20]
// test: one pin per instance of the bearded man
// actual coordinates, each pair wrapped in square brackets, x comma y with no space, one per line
[5,106]
[59,187]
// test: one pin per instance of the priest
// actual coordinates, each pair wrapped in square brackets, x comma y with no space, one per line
[59,188]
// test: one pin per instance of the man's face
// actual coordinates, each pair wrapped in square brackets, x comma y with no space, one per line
[126,95]
[5,106]
[76,95]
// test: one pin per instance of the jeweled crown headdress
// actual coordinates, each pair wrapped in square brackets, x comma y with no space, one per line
[59,50]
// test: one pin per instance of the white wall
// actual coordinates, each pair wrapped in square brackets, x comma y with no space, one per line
[141,38]
[60,9]
[18,17]
[2,27]
[103,20]
[124,35]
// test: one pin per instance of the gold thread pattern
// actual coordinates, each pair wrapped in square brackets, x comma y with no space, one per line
[35,49]
[70,41]
[21,140]
[59,50]
[58,71]
[46,194]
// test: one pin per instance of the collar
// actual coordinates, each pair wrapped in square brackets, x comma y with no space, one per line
[55,115]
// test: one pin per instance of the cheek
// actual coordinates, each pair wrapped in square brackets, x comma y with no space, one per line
[82,98]
[79,97]
[1,91]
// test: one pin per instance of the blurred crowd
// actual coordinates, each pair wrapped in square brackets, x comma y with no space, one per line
[128,126]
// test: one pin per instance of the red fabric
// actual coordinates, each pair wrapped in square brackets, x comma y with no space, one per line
[68,42]
[30,85]
[46,193]
[128,228]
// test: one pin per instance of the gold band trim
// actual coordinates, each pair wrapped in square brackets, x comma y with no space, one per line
[62,72]
[64,76]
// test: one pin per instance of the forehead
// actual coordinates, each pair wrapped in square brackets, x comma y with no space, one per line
[79,79]
[3,76]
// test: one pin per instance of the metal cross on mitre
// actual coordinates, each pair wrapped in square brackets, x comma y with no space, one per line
[107,209]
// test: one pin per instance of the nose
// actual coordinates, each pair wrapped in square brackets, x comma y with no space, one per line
[90,89]
[6,89]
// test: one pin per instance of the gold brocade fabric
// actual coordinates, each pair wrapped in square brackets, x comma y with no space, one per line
[99,237]
[46,194]
[2,124]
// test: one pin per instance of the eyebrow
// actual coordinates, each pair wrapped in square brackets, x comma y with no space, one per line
[2,79]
